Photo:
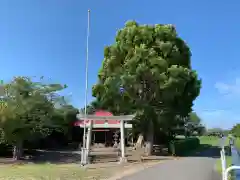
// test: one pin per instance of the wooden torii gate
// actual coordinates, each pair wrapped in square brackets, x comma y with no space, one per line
[122,125]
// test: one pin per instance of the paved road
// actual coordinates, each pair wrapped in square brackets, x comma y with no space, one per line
[187,168]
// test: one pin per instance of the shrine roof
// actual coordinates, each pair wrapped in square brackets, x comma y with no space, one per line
[99,113]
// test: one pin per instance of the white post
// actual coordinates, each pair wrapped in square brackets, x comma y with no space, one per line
[223,161]
[228,170]
[224,157]
[123,158]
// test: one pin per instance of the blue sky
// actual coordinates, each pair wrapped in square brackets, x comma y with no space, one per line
[48,38]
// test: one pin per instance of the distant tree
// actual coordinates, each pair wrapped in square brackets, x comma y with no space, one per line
[236,130]
[194,118]
[201,130]
[215,131]
[192,125]
[226,132]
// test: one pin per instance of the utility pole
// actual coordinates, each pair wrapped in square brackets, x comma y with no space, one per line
[84,152]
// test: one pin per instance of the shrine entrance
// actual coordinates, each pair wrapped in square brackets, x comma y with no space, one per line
[105,133]
[102,136]
[105,129]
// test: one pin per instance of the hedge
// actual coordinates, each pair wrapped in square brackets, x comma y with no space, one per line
[183,146]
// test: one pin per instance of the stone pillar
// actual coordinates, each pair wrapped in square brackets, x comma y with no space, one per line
[122,158]
[89,139]
[115,138]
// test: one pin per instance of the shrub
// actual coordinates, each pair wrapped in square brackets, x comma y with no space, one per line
[183,146]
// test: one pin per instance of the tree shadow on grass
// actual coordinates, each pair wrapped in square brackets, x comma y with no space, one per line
[56,157]
[206,150]
[41,157]
[74,157]
[60,157]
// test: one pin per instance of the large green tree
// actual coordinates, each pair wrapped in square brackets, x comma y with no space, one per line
[153,66]
[92,107]
[27,111]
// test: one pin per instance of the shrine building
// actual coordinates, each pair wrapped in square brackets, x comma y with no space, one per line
[105,132]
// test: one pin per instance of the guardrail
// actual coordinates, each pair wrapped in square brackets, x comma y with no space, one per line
[235,167]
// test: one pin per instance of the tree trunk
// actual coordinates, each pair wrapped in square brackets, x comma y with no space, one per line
[17,151]
[139,141]
[149,140]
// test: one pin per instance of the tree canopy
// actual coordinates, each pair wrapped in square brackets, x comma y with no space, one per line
[28,111]
[152,66]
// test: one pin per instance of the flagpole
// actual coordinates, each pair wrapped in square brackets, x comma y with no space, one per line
[84,153]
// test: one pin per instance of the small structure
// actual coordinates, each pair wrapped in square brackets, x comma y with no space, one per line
[105,126]
[104,132]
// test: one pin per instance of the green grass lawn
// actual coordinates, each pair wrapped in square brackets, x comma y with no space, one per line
[50,172]
[219,165]
[209,140]
[228,164]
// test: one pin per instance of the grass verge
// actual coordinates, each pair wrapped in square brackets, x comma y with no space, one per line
[68,171]
[219,165]
[209,140]
[47,172]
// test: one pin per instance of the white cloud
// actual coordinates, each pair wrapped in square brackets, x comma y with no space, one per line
[229,89]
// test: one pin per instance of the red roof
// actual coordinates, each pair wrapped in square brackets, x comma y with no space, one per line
[99,113]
